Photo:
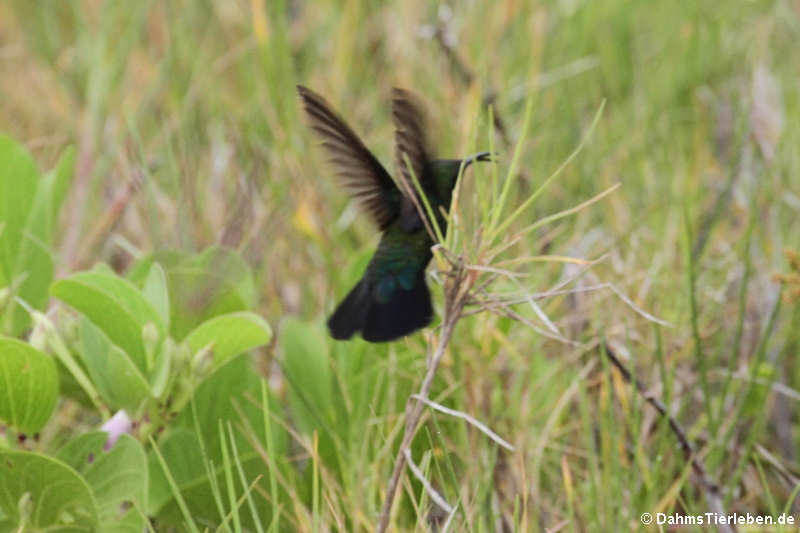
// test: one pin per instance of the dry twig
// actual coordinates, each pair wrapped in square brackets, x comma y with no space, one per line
[709,488]
[455,296]
[432,492]
[467,418]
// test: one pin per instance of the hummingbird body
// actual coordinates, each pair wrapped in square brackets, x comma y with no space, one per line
[392,299]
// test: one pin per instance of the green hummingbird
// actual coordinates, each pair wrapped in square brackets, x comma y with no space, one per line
[392,299]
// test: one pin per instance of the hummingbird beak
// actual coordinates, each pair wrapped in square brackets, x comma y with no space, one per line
[480,156]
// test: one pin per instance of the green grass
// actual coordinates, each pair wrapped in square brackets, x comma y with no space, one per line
[194,104]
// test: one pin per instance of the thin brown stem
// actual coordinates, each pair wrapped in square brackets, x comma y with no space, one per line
[454,303]
[709,488]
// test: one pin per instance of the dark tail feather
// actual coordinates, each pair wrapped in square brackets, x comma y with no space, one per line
[406,312]
[351,315]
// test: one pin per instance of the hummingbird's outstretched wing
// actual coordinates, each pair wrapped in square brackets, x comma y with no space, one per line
[411,144]
[361,173]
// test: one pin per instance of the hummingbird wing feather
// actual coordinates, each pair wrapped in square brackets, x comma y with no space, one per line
[411,153]
[411,144]
[361,173]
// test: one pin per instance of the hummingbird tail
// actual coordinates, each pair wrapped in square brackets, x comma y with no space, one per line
[405,311]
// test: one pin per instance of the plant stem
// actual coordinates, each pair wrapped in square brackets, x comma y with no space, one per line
[706,484]
[454,303]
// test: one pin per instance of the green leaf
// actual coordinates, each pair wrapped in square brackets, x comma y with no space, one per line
[25,226]
[56,495]
[118,476]
[114,305]
[230,335]
[29,386]
[119,381]
[18,182]
[126,293]
[156,291]
[29,205]
[307,368]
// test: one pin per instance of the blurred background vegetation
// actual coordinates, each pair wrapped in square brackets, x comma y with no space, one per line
[188,133]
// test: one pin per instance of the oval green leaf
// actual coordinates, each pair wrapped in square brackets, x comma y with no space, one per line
[56,495]
[118,380]
[230,335]
[156,292]
[25,262]
[28,386]
[118,476]
[115,305]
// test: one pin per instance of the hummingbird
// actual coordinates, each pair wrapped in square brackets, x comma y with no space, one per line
[391,300]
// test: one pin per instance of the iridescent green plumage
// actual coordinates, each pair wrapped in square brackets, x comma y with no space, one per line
[392,299]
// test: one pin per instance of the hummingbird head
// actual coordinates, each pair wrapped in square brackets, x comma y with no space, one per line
[446,172]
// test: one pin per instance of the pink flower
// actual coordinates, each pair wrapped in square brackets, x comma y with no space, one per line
[115,426]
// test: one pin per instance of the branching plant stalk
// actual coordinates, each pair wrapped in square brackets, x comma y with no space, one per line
[455,297]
